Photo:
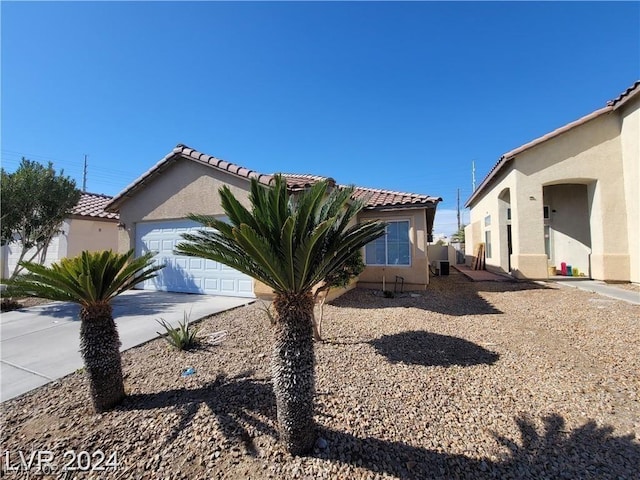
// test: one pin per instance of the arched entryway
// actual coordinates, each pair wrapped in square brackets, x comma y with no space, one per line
[506,246]
[567,231]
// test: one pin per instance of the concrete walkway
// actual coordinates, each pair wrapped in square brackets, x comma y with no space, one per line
[595,286]
[41,344]
[601,288]
[482,275]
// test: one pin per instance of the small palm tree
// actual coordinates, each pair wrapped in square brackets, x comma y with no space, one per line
[92,280]
[289,243]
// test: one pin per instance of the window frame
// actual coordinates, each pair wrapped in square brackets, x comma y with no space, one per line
[386,246]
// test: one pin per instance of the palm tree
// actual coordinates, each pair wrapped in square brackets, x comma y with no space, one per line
[289,243]
[92,280]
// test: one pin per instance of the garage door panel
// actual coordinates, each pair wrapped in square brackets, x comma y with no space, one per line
[183,273]
[245,286]
[211,265]
[195,264]
[228,285]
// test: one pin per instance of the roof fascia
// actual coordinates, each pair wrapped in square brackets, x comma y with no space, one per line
[75,216]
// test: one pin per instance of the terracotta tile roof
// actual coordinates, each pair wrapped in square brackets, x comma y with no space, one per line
[182,151]
[612,105]
[93,205]
[380,199]
[629,93]
[375,198]
[301,181]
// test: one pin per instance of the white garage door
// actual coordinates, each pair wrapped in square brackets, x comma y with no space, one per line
[182,273]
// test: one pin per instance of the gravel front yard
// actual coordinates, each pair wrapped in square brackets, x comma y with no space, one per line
[465,380]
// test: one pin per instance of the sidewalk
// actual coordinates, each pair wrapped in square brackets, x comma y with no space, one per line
[601,288]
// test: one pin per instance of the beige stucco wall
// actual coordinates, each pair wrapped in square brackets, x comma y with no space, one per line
[416,275]
[77,234]
[92,235]
[630,145]
[591,155]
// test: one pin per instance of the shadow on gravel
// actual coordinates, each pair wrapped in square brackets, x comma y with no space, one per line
[554,452]
[586,452]
[449,295]
[234,401]
[430,349]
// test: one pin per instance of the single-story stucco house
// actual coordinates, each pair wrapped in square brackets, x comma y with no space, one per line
[153,211]
[571,196]
[89,227]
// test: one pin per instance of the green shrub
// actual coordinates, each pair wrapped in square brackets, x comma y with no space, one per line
[184,337]
[9,304]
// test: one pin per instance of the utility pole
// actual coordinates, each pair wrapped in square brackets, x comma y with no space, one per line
[458,210]
[84,175]
[473,175]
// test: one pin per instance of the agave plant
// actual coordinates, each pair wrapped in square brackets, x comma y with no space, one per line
[92,280]
[184,337]
[289,243]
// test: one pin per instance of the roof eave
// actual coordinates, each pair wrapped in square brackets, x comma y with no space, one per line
[77,216]
[409,206]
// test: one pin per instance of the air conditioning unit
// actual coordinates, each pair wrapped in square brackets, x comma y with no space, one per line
[443,267]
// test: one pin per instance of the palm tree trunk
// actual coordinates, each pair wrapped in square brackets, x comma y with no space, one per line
[292,366]
[100,348]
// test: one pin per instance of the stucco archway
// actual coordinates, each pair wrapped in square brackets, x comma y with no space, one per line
[504,212]
[567,229]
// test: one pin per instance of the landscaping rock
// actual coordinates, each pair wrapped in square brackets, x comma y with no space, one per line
[463,380]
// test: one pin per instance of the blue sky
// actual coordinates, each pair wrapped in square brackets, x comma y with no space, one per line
[400,96]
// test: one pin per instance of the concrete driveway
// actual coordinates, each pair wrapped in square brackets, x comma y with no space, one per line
[41,344]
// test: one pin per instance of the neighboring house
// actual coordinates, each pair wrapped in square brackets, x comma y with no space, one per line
[89,227]
[153,211]
[570,196]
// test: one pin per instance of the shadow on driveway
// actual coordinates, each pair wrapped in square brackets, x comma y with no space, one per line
[144,303]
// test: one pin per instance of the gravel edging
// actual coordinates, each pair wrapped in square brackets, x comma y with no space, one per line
[464,380]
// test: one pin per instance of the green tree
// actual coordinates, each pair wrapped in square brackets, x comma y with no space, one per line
[34,203]
[459,235]
[92,280]
[289,243]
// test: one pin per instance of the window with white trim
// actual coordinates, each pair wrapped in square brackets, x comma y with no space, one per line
[391,249]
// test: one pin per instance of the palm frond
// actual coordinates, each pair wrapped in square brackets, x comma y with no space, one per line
[89,278]
[290,243]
